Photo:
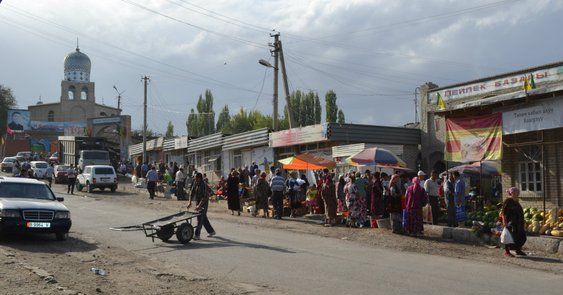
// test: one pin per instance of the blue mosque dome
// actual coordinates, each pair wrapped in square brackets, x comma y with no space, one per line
[77,67]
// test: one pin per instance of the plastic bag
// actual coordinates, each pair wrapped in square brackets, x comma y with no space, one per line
[506,237]
[134,179]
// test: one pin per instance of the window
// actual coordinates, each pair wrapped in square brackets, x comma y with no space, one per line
[25,191]
[237,159]
[71,90]
[530,176]
[51,116]
[104,171]
[84,93]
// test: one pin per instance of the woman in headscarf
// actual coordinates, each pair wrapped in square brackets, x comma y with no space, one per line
[328,193]
[355,204]
[513,219]
[233,198]
[376,196]
[340,194]
[262,192]
[415,197]
[394,206]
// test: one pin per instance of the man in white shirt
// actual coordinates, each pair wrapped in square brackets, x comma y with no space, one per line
[180,180]
[432,187]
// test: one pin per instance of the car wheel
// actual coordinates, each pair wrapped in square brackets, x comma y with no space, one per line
[185,233]
[113,189]
[79,187]
[89,188]
[61,236]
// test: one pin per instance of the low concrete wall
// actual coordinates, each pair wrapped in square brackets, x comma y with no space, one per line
[465,235]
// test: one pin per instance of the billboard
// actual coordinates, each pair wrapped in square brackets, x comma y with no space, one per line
[474,139]
[58,127]
[18,121]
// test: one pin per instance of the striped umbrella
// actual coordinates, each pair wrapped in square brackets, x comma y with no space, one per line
[377,156]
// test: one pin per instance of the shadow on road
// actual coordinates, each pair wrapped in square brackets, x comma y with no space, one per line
[220,242]
[46,243]
[541,259]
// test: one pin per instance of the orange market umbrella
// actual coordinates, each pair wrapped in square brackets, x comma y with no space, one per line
[306,161]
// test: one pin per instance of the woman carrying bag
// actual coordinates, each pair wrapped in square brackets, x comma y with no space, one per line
[514,233]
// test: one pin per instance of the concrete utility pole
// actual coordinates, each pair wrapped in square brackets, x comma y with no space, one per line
[285,86]
[276,68]
[145,80]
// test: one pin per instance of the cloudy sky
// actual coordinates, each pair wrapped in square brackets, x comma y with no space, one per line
[372,53]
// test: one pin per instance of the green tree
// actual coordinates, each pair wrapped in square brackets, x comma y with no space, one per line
[7,101]
[341,118]
[224,121]
[192,124]
[169,130]
[258,120]
[331,108]
[138,133]
[318,109]
[240,122]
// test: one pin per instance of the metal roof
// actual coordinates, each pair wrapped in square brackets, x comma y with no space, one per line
[355,133]
[168,144]
[259,137]
[206,142]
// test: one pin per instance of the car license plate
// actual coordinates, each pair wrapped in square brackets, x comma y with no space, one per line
[104,179]
[38,224]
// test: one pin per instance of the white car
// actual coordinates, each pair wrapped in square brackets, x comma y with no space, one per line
[97,176]
[8,164]
[39,168]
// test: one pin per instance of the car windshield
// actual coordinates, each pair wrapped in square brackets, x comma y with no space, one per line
[103,170]
[9,160]
[96,155]
[62,168]
[41,165]
[25,191]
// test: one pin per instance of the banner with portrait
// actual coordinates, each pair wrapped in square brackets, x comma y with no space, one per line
[474,139]
[17,121]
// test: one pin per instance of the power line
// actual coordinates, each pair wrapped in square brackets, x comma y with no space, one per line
[201,79]
[248,42]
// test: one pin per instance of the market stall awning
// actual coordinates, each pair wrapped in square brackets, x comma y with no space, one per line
[491,168]
[306,161]
[376,156]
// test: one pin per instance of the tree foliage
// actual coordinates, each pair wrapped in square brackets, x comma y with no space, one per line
[305,108]
[224,121]
[331,108]
[203,122]
[169,130]
[341,118]
[7,101]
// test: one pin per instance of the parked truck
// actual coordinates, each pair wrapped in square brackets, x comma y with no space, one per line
[83,151]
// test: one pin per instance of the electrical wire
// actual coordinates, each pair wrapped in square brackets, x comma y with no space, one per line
[201,78]
[248,42]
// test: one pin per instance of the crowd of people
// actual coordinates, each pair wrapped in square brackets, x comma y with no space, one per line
[359,199]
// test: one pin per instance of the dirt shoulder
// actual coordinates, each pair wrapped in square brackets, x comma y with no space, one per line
[40,265]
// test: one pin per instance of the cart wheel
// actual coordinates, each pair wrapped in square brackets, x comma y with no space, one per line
[165,233]
[185,232]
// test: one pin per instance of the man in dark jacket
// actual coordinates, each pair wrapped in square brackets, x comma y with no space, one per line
[200,194]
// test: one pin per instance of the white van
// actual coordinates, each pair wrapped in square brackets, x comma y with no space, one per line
[97,176]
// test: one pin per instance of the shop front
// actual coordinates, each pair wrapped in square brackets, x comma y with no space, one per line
[243,149]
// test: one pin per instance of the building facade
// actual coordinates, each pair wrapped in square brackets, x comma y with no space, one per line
[532,127]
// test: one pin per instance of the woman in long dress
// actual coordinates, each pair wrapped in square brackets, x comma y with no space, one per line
[328,193]
[355,203]
[513,220]
[415,197]
[233,198]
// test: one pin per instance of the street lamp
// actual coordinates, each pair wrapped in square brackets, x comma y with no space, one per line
[266,63]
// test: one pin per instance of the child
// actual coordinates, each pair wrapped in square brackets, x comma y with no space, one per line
[311,198]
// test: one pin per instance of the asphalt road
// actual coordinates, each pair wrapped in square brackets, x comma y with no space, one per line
[291,263]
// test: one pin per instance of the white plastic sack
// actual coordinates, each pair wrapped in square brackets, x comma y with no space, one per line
[506,237]
[134,179]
